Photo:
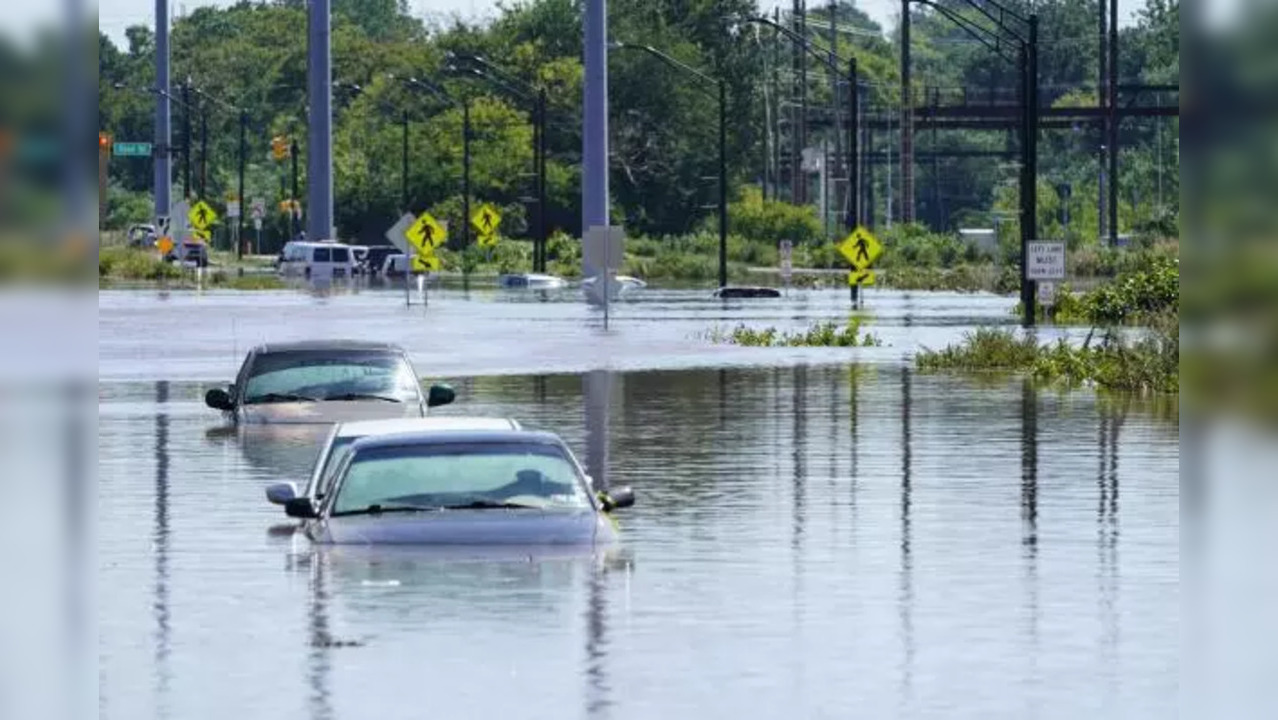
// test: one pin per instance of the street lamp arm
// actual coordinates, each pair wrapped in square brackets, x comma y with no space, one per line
[428,86]
[669,60]
[499,82]
[811,48]
[526,89]
[215,99]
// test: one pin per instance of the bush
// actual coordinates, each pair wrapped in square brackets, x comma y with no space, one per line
[129,264]
[769,221]
[820,335]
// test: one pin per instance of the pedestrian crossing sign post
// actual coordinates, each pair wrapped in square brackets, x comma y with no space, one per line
[486,220]
[426,233]
[861,248]
[857,278]
[201,216]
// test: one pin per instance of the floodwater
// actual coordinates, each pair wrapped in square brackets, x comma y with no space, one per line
[820,533]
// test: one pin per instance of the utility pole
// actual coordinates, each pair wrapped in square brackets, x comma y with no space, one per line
[297,191]
[1102,99]
[854,123]
[204,150]
[465,220]
[162,153]
[543,235]
[1029,164]
[319,140]
[186,139]
[907,120]
[1113,123]
[403,165]
[239,221]
[723,182]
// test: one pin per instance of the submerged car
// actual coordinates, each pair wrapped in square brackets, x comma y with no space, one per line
[454,487]
[343,435]
[325,382]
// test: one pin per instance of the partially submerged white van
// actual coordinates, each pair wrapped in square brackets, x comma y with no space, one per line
[317,260]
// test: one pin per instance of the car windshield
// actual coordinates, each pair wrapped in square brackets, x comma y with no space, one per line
[466,475]
[330,375]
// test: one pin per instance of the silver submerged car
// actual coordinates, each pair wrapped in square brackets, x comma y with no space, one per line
[325,382]
[473,487]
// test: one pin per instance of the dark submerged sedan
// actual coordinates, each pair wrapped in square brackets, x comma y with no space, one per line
[325,382]
[492,487]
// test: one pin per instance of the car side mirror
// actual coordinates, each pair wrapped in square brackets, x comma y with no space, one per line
[219,399]
[618,499]
[281,493]
[301,508]
[440,395]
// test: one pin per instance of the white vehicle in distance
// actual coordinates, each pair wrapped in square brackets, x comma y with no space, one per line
[531,281]
[317,260]
[343,435]
[620,285]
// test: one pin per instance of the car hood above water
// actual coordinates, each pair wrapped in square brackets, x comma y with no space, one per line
[326,412]
[468,527]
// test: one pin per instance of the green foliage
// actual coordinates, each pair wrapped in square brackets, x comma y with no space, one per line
[1135,297]
[827,334]
[913,245]
[770,221]
[1149,364]
[119,263]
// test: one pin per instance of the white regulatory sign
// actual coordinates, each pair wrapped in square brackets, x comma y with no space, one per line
[1045,261]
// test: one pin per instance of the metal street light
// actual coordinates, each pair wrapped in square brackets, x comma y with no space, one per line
[723,143]
[537,97]
[439,92]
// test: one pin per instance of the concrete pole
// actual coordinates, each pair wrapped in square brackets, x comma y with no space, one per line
[594,185]
[162,154]
[907,120]
[319,143]
[597,390]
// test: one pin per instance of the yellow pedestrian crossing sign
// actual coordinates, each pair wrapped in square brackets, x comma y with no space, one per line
[486,220]
[426,263]
[861,248]
[426,233]
[201,215]
[857,278]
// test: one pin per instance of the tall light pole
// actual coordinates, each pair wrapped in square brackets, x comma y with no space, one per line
[162,151]
[723,144]
[594,148]
[319,141]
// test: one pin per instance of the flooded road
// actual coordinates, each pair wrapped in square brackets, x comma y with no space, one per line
[820,533]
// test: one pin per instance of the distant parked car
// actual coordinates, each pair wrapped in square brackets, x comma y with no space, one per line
[531,281]
[343,435]
[191,253]
[142,236]
[460,488]
[325,382]
[375,257]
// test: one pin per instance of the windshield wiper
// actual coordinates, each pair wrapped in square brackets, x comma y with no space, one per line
[490,505]
[362,396]
[278,397]
[380,509]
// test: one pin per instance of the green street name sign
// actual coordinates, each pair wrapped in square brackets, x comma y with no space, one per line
[131,149]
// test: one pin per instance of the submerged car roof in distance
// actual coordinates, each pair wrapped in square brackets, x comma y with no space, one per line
[398,426]
[439,437]
[333,345]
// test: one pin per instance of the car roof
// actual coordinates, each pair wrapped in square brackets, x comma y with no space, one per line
[370,428]
[458,436]
[335,345]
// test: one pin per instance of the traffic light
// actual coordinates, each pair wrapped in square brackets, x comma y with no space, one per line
[104,142]
[279,148]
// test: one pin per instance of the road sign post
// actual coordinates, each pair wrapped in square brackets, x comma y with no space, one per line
[861,249]
[786,252]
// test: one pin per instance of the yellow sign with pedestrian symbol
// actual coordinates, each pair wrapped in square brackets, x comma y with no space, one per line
[857,278]
[486,220]
[426,234]
[861,248]
[426,263]
[201,215]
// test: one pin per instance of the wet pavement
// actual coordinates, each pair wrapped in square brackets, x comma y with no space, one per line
[820,533]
